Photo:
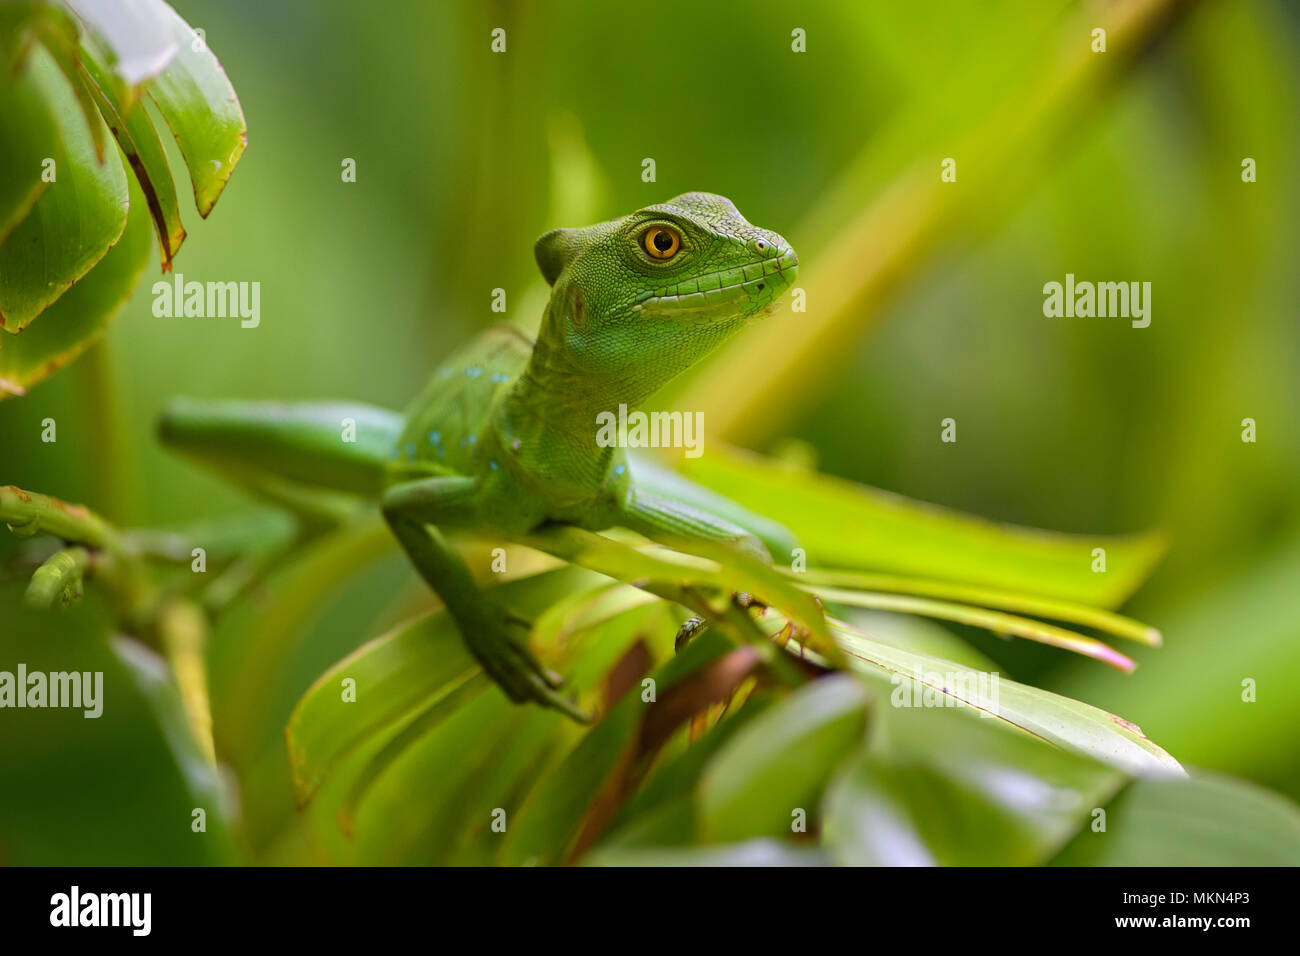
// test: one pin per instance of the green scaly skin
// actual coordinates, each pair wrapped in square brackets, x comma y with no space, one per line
[504,437]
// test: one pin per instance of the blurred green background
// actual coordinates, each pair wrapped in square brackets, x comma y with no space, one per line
[464,157]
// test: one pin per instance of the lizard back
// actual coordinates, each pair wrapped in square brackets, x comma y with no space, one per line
[445,423]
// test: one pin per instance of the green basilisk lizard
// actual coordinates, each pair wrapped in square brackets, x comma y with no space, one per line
[504,437]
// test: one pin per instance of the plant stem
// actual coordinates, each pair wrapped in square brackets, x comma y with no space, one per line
[183,633]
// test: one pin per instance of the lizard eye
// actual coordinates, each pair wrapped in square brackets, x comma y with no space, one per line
[661,242]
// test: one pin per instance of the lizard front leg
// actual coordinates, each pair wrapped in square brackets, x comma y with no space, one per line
[412,510]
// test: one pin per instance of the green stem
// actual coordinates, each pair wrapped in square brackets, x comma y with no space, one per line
[183,633]
[59,578]
[115,480]
[28,513]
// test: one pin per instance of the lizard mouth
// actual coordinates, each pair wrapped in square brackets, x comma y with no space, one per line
[753,286]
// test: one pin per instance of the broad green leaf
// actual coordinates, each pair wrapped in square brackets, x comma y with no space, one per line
[28,131]
[508,771]
[1207,820]
[75,220]
[398,675]
[74,322]
[904,813]
[936,788]
[779,762]
[394,674]
[201,109]
[1058,720]
[466,775]
[501,771]
[136,135]
[449,701]
[58,31]
[18,18]
[436,771]
[29,135]
[842,524]
[445,765]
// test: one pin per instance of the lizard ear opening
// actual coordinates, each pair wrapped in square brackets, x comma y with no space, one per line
[554,251]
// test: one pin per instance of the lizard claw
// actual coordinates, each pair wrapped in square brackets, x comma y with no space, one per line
[519,674]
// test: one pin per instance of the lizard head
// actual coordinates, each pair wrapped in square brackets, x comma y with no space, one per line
[659,289]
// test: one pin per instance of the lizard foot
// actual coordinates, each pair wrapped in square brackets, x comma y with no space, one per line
[508,661]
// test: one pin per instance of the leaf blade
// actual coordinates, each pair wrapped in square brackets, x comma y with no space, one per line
[73,223]
[200,107]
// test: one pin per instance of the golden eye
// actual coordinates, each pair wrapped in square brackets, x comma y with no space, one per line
[661,242]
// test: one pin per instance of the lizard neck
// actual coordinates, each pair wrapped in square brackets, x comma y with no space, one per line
[547,420]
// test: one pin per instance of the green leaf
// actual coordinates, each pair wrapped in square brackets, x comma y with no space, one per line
[842,524]
[73,223]
[781,760]
[911,633]
[1080,614]
[17,20]
[937,788]
[395,675]
[999,622]
[1207,820]
[136,135]
[450,699]
[30,135]
[463,790]
[1055,719]
[62,39]
[201,109]
[74,322]
[399,675]
[28,128]
[905,813]
[484,757]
